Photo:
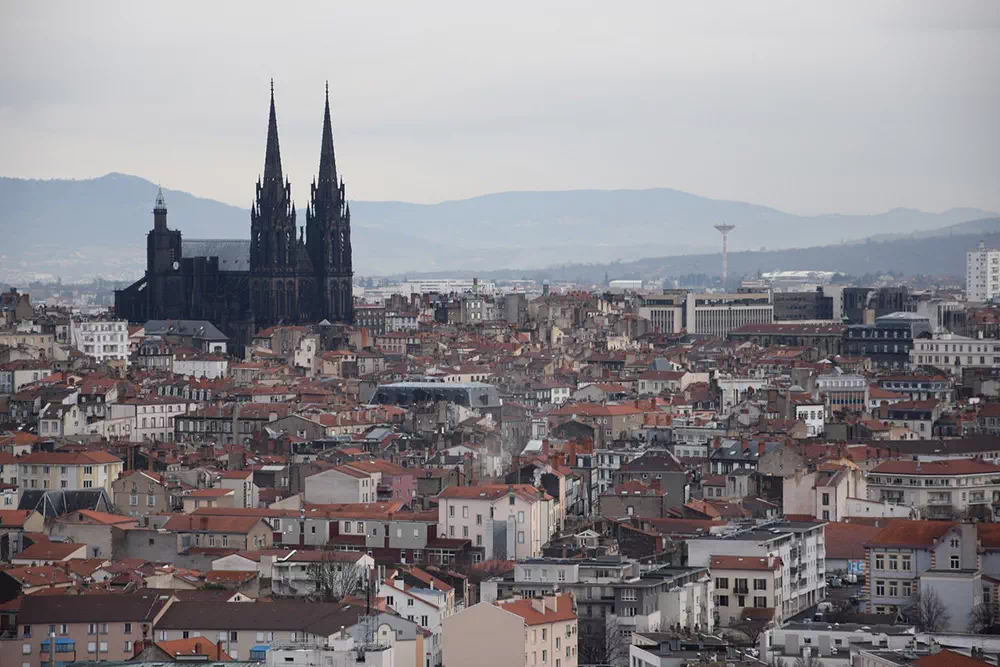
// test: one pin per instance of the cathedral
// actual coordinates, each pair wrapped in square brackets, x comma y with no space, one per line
[278,276]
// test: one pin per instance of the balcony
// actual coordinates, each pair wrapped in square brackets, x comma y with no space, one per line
[741,589]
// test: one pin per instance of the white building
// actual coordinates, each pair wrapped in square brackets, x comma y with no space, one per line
[982,269]
[955,352]
[101,340]
[939,489]
[800,545]
[743,582]
[475,512]
[200,365]
[718,314]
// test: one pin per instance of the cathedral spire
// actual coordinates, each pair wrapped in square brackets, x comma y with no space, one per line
[272,159]
[327,161]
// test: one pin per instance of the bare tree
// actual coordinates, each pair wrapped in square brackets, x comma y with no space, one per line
[332,580]
[982,618]
[932,613]
[753,628]
[609,647]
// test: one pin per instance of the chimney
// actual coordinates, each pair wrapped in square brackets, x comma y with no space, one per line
[550,602]
[538,605]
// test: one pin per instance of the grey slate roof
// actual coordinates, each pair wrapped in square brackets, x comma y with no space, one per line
[131,607]
[57,502]
[202,329]
[233,254]
[320,618]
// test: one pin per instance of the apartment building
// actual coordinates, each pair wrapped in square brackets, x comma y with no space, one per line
[918,387]
[343,484]
[835,493]
[843,390]
[69,470]
[141,493]
[16,374]
[800,546]
[61,629]
[982,274]
[615,587]
[659,466]
[938,489]
[101,340]
[608,422]
[425,607]
[743,583]
[207,498]
[148,419]
[240,482]
[537,631]
[292,573]
[954,352]
[716,314]
[507,521]
[906,558]
[236,532]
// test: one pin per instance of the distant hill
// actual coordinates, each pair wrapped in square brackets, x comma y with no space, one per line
[86,227]
[941,254]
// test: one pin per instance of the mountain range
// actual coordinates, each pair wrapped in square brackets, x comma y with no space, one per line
[81,228]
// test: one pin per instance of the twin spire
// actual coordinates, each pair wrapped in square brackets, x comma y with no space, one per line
[327,160]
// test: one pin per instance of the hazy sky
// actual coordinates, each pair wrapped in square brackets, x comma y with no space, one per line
[806,106]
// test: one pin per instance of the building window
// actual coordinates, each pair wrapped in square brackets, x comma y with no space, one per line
[956,563]
[722,601]
[880,587]
[879,561]
[759,601]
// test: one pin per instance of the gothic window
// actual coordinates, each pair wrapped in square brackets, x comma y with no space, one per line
[280,294]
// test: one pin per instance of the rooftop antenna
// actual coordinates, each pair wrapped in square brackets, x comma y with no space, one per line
[724,229]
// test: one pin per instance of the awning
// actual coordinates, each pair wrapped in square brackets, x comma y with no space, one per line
[60,641]
[261,647]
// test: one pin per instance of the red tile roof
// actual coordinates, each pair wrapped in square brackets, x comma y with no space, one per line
[524,609]
[769,564]
[56,551]
[946,658]
[14,518]
[187,649]
[69,458]
[906,533]
[847,540]
[215,524]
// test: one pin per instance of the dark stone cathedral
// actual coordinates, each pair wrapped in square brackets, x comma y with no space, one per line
[277,277]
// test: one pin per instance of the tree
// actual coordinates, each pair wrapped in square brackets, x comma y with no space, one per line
[332,580]
[982,618]
[753,628]
[609,647]
[932,614]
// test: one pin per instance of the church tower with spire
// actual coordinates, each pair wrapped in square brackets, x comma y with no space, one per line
[328,228]
[275,267]
[277,277]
